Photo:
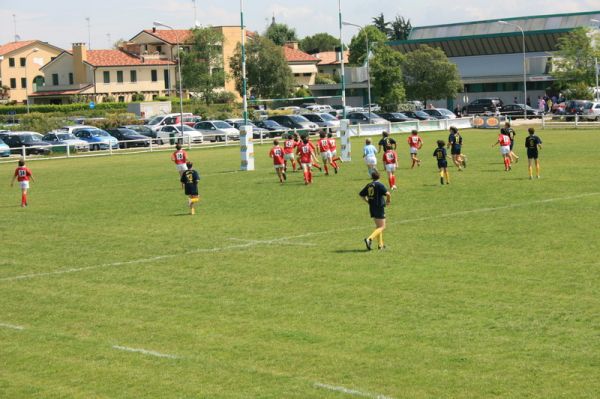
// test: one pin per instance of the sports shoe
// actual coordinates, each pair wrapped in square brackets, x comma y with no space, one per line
[394,187]
[530,177]
[368,243]
[442,181]
[539,177]
[335,170]
[380,247]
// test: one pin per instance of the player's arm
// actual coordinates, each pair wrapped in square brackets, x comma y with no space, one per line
[539,143]
[388,198]
[31,177]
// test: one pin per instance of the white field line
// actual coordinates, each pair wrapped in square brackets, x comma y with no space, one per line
[271,242]
[145,352]
[350,391]
[283,240]
[11,326]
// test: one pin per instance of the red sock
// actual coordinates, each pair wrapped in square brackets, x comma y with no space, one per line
[294,165]
[309,176]
[393,180]
[316,165]
[506,163]
[334,164]
[305,176]
[23,199]
[335,159]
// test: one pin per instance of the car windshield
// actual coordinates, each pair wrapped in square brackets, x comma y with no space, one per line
[140,128]
[313,117]
[99,133]
[298,118]
[66,136]
[155,121]
[372,115]
[2,142]
[29,138]
[327,117]
[222,125]
[588,106]
[186,128]
[444,111]
[422,114]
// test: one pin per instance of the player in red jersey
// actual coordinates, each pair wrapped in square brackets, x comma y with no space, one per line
[289,145]
[333,149]
[324,150]
[180,158]
[504,142]
[415,143]
[23,175]
[390,160]
[306,153]
[277,153]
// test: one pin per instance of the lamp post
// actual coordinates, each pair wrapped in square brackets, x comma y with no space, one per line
[342,62]
[33,50]
[368,69]
[596,62]
[524,67]
[156,23]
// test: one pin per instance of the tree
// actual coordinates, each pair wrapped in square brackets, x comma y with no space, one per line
[319,42]
[202,67]
[386,77]
[280,33]
[574,63]
[400,28]
[383,26]
[358,46]
[267,72]
[429,75]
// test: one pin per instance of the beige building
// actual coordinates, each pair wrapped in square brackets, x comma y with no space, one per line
[101,75]
[329,62]
[20,64]
[303,65]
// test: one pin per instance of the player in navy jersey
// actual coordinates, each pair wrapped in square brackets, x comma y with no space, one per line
[440,155]
[533,144]
[377,196]
[189,182]
[455,143]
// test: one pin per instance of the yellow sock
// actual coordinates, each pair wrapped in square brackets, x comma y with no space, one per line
[381,239]
[375,234]
[442,174]
[193,211]
[447,177]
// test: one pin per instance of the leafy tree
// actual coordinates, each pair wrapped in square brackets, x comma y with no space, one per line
[280,33]
[386,77]
[267,72]
[383,26]
[319,42]
[574,63]
[202,67]
[429,75]
[400,28]
[358,46]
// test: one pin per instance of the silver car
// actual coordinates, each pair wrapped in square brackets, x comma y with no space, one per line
[217,130]
[324,120]
[61,137]
[357,118]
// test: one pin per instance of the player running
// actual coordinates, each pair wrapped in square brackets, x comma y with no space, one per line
[179,157]
[333,149]
[306,153]
[385,141]
[289,146]
[277,153]
[414,143]
[440,155]
[504,142]
[377,196]
[533,143]
[189,182]
[390,160]
[455,142]
[510,132]
[370,156]
[324,150]
[23,175]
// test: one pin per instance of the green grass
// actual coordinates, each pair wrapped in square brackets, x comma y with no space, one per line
[491,303]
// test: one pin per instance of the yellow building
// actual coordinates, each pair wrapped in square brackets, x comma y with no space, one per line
[20,64]
[100,75]
[303,65]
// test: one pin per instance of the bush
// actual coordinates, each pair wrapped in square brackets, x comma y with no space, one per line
[64,108]
[225,97]
[38,122]
[137,97]
[324,79]
[302,92]
[114,120]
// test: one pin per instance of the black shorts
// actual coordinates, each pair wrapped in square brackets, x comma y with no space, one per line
[442,164]
[377,213]
[191,190]
[455,150]
[532,153]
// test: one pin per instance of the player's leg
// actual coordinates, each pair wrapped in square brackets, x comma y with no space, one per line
[530,167]
[193,201]
[447,175]
[279,171]
[24,197]
[537,167]
[441,170]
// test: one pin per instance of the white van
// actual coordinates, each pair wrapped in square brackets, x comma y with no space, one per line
[157,121]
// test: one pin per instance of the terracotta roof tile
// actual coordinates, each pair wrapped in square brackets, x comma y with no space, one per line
[119,58]
[171,36]
[293,55]
[330,57]
[7,48]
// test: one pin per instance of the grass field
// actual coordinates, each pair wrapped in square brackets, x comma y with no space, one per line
[489,287]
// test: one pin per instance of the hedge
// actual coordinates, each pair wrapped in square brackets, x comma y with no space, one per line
[65,108]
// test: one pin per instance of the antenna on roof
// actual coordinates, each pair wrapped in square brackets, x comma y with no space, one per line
[196,24]
[17,37]
[89,33]
[110,44]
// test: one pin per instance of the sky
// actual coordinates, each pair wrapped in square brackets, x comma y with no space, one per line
[63,22]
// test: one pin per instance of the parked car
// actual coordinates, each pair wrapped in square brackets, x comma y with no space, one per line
[290,108]
[273,127]
[357,118]
[324,120]
[156,122]
[97,138]
[515,111]
[319,108]
[374,107]
[417,104]
[141,129]
[74,128]
[32,141]
[172,133]
[129,138]
[575,107]
[257,132]
[396,117]
[591,111]
[440,113]
[483,106]
[4,149]
[66,139]
[296,122]
[217,130]
[420,115]
[339,109]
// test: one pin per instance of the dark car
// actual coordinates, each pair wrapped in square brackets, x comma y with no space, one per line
[31,141]
[440,113]
[357,118]
[575,107]
[296,122]
[396,117]
[129,138]
[274,128]
[483,106]
[514,111]
[141,129]
[420,115]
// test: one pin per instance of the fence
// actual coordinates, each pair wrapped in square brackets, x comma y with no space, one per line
[406,127]
[577,122]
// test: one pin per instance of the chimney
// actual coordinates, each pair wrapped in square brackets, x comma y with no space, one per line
[79,68]
[154,29]
[292,45]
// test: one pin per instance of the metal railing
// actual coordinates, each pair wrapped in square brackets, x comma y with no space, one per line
[406,127]
[569,121]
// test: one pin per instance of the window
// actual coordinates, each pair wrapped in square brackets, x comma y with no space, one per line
[121,99]
[54,79]
[71,80]
[22,61]
[11,62]
[133,76]
[13,83]
[307,74]
[23,83]
[119,76]
[159,49]
[106,76]
[154,75]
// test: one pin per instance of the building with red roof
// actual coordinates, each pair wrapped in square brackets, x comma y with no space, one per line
[303,65]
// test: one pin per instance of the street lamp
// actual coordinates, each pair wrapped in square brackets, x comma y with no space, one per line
[368,69]
[596,60]
[156,23]
[524,67]
[33,50]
